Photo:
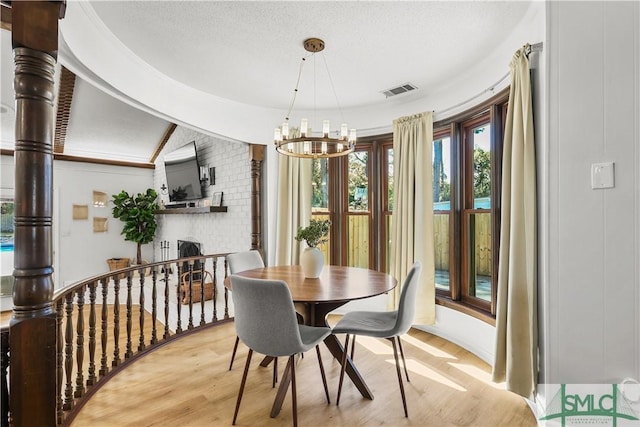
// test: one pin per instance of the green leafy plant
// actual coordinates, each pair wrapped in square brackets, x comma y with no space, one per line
[316,233]
[138,214]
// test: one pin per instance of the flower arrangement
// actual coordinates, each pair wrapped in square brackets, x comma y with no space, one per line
[316,233]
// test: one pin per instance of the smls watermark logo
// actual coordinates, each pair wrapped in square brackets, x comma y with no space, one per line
[592,405]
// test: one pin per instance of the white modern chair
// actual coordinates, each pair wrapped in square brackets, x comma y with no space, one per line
[266,322]
[383,324]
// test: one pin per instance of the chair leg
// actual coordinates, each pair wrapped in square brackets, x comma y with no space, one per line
[294,403]
[324,378]
[242,383]
[233,355]
[404,362]
[343,368]
[395,355]
[353,347]
[275,372]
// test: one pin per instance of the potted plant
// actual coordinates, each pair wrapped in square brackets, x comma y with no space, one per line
[316,233]
[138,214]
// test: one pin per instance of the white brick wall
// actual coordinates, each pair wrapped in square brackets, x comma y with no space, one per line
[217,232]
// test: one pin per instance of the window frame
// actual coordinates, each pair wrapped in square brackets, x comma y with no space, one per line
[492,112]
[495,109]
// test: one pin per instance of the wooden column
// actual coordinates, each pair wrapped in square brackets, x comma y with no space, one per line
[33,323]
[256,155]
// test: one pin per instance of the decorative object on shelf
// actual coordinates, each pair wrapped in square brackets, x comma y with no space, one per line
[216,200]
[164,190]
[212,176]
[80,212]
[138,214]
[204,178]
[312,259]
[308,145]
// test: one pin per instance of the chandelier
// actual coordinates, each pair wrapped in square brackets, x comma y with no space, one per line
[305,143]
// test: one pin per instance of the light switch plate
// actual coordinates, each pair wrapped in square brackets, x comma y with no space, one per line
[602,175]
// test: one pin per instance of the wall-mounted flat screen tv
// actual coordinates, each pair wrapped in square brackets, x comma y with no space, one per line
[183,173]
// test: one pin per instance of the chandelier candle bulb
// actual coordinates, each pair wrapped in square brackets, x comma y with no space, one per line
[344,130]
[306,147]
[303,127]
[352,136]
[326,128]
[285,130]
[277,135]
[324,148]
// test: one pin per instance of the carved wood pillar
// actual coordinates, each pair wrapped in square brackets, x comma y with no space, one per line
[33,323]
[256,155]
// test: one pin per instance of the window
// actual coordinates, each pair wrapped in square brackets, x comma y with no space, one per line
[356,193]
[467,153]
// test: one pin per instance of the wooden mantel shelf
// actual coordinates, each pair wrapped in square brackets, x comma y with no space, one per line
[195,210]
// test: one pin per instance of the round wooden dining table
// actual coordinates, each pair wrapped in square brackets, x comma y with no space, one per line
[336,286]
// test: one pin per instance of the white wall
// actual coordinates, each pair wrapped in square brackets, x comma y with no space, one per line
[592,282]
[218,232]
[81,252]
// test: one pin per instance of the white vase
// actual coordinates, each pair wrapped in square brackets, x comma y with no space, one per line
[311,261]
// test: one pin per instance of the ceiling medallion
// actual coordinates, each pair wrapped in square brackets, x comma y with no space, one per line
[305,144]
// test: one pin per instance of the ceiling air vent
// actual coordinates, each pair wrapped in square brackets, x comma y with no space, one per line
[398,90]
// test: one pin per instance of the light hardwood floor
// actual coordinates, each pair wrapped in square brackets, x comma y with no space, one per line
[187,383]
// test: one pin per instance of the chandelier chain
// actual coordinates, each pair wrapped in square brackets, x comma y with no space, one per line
[333,88]
[295,90]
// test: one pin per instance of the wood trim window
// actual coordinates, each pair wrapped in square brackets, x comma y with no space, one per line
[467,162]
[356,193]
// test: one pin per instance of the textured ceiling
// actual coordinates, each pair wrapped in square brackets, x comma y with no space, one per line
[248,53]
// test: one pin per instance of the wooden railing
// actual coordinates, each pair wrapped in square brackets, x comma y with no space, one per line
[107,321]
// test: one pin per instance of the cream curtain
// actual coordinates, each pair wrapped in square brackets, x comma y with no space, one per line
[412,220]
[516,355]
[294,206]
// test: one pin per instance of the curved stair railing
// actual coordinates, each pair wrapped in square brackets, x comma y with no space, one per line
[107,321]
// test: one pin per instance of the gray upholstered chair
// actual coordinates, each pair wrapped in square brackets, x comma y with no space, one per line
[266,322]
[383,324]
[241,261]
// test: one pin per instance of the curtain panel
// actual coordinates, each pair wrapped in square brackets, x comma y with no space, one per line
[294,206]
[516,353]
[412,219]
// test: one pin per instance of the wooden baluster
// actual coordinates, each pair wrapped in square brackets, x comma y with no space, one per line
[79,390]
[202,292]
[116,321]
[226,291]
[91,378]
[129,351]
[215,289]
[141,345]
[154,304]
[190,295]
[4,366]
[104,365]
[179,291]
[68,353]
[59,360]
[166,301]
